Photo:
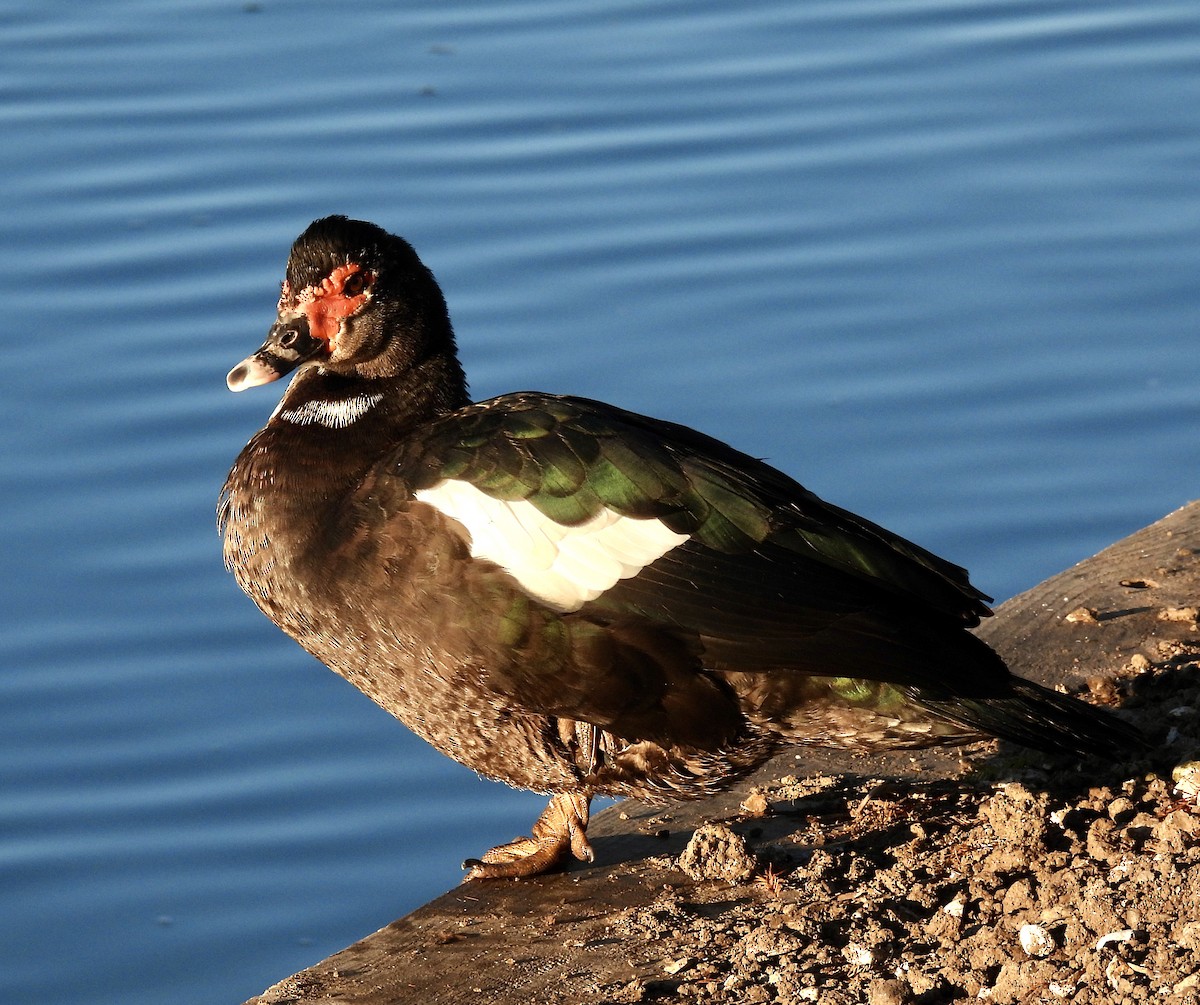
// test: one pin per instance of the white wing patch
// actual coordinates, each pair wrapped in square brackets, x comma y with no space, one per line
[334,414]
[562,566]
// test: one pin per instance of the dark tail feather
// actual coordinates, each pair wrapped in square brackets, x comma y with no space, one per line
[1037,717]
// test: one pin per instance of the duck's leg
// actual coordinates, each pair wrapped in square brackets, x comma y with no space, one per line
[561,828]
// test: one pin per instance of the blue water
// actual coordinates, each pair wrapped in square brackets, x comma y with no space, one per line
[938,259]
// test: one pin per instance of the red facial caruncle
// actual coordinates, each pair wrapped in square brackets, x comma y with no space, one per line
[339,295]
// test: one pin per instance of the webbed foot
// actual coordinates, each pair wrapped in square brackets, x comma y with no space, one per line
[561,828]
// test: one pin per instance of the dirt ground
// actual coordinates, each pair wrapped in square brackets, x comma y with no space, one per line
[1022,890]
[991,874]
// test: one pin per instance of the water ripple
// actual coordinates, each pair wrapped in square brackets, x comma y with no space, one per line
[936,258]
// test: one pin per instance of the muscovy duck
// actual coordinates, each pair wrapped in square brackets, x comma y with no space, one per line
[574,598]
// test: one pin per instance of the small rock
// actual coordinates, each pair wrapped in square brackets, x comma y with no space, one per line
[1186,777]
[889,992]
[1100,841]
[946,924]
[629,994]
[756,805]
[955,907]
[1035,940]
[1017,816]
[1189,982]
[770,943]
[858,955]
[1176,830]
[1122,936]
[716,852]
[1018,897]
[1141,826]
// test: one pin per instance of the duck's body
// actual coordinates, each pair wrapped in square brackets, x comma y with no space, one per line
[572,598]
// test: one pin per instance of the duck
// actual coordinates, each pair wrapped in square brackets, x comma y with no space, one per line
[577,599]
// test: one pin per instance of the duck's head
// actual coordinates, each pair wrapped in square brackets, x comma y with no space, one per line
[356,301]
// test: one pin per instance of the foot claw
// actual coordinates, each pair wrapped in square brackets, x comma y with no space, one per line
[561,828]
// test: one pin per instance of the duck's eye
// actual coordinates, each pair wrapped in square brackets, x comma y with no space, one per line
[355,283]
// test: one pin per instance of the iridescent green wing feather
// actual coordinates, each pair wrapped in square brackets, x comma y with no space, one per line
[570,457]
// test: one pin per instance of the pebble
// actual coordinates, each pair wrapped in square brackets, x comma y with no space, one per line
[858,955]
[1035,940]
[1186,777]
[1122,936]
[716,852]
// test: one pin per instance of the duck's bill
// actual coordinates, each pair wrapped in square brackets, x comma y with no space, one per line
[288,345]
